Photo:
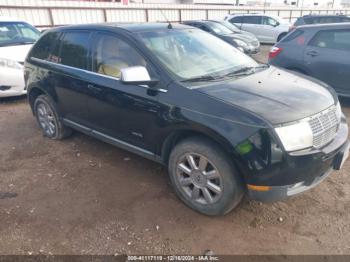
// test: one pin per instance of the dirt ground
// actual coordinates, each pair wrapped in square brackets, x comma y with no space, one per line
[82,196]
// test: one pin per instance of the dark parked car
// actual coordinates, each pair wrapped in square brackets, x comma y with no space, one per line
[187,99]
[244,42]
[320,51]
[320,19]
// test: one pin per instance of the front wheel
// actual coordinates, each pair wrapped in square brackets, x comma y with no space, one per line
[204,177]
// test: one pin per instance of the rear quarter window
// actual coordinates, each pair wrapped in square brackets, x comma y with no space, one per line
[45,44]
[297,37]
[300,21]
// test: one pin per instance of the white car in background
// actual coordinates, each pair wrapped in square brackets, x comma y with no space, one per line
[16,39]
[267,28]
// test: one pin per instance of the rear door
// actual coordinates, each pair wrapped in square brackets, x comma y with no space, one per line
[327,57]
[68,67]
[253,24]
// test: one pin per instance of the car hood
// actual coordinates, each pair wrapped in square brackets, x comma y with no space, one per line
[252,36]
[243,37]
[276,95]
[16,52]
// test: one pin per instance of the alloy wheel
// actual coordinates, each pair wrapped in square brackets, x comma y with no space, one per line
[199,179]
[46,119]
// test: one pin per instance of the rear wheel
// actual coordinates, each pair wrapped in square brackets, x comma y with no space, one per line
[204,177]
[48,120]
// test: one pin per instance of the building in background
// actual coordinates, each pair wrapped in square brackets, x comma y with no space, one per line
[345,3]
[266,3]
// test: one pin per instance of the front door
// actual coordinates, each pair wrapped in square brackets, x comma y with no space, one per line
[124,112]
[327,57]
[253,25]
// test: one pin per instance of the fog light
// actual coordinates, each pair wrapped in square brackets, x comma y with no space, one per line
[4,88]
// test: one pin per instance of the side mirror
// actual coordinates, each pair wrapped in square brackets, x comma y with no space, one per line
[136,75]
[277,24]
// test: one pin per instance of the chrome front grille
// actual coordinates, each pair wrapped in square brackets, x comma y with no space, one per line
[324,126]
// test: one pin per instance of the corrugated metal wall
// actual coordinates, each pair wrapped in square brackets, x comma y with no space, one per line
[45,13]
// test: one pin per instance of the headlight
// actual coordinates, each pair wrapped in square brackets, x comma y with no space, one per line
[10,63]
[240,43]
[296,136]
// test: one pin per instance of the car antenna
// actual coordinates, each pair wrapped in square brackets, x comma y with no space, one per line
[170,26]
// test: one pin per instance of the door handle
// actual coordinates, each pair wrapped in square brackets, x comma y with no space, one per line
[94,88]
[312,53]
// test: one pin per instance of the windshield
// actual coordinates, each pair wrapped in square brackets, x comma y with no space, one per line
[192,53]
[17,33]
[219,28]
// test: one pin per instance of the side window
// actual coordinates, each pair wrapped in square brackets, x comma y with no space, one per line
[111,54]
[339,40]
[328,20]
[74,49]
[310,20]
[300,21]
[344,19]
[237,20]
[297,36]
[44,45]
[256,20]
[269,21]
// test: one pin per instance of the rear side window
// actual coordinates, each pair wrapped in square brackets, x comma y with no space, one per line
[74,49]
[339,39]
[43,47]
[237,20]
[300,21]
[252,20]
[344,19]
[296,36]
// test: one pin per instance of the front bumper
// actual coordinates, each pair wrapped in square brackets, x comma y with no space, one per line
[300,171]
[251,50]
[11,82]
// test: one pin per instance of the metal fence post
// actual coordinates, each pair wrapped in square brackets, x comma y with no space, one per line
[147,15]
[51,17]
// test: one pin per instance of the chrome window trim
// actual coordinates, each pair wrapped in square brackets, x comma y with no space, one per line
[87,71]
[74,68]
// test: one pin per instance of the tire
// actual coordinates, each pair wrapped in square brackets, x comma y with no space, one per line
[210,166]
[279,38]
[48,119]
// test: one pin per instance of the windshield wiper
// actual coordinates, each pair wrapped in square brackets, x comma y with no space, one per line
[201,79]
[246,70]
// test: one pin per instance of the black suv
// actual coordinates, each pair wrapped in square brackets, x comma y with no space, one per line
[222,123]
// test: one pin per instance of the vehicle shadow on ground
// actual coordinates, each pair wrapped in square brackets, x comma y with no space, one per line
[14,99]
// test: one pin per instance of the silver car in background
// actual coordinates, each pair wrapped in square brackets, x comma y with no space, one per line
[267,28]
